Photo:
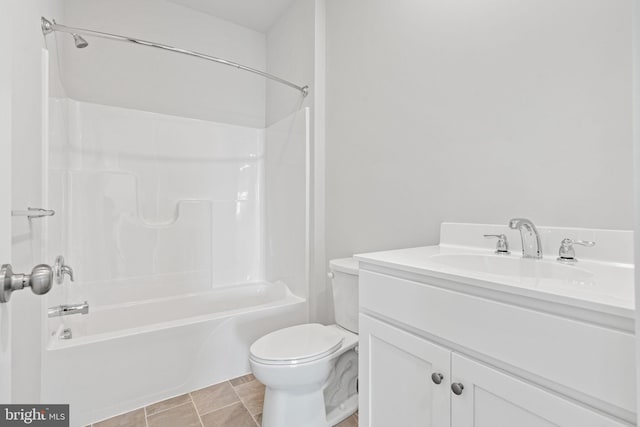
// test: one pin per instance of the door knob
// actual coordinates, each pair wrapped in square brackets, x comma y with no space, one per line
[437,377]
[40,280]
[457,388]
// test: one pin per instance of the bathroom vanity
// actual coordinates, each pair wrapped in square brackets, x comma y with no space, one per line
[458,335]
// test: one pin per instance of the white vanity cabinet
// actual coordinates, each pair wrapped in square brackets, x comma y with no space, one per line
[518,367]
[492,398]
[400,372]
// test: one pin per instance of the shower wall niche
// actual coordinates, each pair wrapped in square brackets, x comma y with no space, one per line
[151,205]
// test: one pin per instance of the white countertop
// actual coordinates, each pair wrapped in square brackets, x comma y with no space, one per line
[606,287]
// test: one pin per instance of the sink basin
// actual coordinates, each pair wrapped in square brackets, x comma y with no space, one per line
[513,266]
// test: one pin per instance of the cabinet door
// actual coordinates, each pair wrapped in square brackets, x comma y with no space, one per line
[396,384]
[492,398]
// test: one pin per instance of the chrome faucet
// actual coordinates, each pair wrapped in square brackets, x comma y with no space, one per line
[567,254]
[531,245]
[68,309]
[60,269]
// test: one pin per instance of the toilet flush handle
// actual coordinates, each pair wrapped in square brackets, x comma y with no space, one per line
[330,275]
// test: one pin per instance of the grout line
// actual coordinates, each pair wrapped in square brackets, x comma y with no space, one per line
[238,396]
[253,417]
[244,405]
[146,419]
[197,412]
[168,409]
[190,402]
[243,384]
[165,410]
[225,406]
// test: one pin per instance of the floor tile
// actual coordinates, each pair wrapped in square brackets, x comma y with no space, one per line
[252,395]
[352,421]
[215,397]
[258,419]
[130,419]
[168,404]
[182,416]
[230,416]
[241,380]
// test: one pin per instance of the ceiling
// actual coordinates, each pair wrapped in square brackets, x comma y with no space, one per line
[258,15]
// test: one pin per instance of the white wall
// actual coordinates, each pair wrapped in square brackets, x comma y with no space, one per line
[125,75]
[295,51]
[321,296]
[475,111]
[290,55]
[286,148]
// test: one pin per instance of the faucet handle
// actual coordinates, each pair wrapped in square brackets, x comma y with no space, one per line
[502,245]
[588,243]
[567,254]
[60,269]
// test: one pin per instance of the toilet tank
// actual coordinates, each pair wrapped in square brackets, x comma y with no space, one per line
[344,281]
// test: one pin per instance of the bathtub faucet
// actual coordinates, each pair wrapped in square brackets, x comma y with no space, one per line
[68,309]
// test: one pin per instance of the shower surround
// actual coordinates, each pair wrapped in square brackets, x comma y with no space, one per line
[188,240]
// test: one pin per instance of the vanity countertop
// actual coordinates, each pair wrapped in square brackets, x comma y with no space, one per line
[598,286]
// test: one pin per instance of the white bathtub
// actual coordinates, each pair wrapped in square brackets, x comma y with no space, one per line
[126,356]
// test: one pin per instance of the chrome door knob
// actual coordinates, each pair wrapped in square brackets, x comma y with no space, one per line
[437,377]
[40,280]
[457,388]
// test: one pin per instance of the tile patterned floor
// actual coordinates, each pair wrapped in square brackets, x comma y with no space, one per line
[234,403]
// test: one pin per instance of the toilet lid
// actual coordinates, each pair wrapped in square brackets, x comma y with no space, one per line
[297,344]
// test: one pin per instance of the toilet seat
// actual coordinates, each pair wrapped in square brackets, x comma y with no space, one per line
[296,344]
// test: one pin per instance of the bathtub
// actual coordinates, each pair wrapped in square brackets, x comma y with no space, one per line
[125,356]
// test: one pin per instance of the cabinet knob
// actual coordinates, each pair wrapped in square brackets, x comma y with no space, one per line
[437,377]
[457,388]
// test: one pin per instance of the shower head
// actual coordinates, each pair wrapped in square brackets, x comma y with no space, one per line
[81,43]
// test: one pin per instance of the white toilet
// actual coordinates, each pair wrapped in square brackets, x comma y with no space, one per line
[311,371]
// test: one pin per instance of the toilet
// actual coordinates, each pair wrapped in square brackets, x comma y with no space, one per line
[310,371]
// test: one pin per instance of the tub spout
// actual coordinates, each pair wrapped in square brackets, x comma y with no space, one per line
[68,309]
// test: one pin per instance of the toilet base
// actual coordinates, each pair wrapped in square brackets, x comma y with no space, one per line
[344,411]
[302,410]
[283,408]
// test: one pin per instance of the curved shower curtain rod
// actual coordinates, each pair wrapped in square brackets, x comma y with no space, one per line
[51,26]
